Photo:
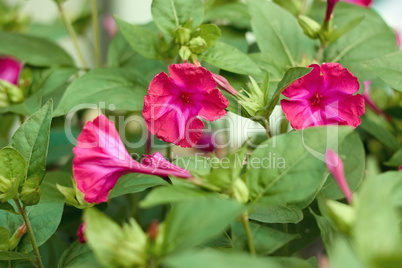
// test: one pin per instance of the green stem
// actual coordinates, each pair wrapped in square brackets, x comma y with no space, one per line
[320,53]
[95,27]
[286,247]
[246,226]
[24,215]
[72,33]
[169,151]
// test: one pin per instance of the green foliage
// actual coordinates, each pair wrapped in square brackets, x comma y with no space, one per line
[135,182]
[40,52]
[78,255]
[94,88]
[32,140]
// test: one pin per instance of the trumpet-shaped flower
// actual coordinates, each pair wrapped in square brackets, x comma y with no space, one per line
[335,166]
[101,159]
[173,104]
[364,3]
[324,97]
[330,8]
[10,69]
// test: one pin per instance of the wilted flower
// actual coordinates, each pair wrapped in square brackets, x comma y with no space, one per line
[335,166]
[324,97]
[173,104]
[101,159]
[10,69]
[364,3]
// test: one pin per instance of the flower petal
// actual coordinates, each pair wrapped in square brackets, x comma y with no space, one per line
[338,80]
[213,105]
[299,114]
[306,86]
[10,70]
[191,78]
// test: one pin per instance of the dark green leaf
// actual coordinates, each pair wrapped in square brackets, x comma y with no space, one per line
[276,214]
[380,133]
[141,39]
[39,52]
[235,13]
[169,15]
[32,140]
[229,58]
[7,207]
[11,255]
[135,182]
[396,159]
[78,256]
[115,88]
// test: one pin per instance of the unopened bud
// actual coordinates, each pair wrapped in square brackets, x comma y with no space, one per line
[182,36]
[185,53]
[30,192]
[198,45]
[81,233]
[310,27]
[8,189]
[153,230]
[240,191]
[17,236]
[10,93]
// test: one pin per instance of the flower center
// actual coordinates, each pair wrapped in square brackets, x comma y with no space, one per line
[315,99]
[185,97]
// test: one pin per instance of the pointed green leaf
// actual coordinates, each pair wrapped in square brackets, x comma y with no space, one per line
[32,140]
[12,164]
[7,207]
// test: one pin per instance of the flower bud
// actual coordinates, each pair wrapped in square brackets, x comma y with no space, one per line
[185,53]
[310,27]
[253,100]
[198,45]
[10,94]
[153,230]
[81,233]
[30,192]
[8,189]
[182,36]
[17,236]
[240,191]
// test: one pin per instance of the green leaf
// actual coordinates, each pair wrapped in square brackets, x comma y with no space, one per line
[380,133]
[343,255]
[96,87]
[346,28]
[290,76]
[183,229]
[278,33]
[119,51]
[39,52]
[12,255]
[276,214]
[235,13]
[141,39]
[279,176]
[266,240]
[371,39]
[135,182]
[32,140]
[396,159]
[172,194]
[229,58]
[169,15]
[7,207]
[219,259]
[76,256]
[388,68]
[12,164]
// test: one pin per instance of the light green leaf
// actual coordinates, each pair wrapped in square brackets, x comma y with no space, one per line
[32,140]
[276,214]
[396,159]
[183,229]
[12,164]
[380,133]
[285,176]
[278,33]
[371,39]
[120,88]
[343,255]
[141,39]
[135,182]
[209,32]
[266,240]
[168,15]
[229,58]
[221,259]
[33,50]
[388,68]
[78,256]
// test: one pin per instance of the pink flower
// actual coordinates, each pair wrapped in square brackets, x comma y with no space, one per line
[371,103]
[223,84]
[324,97]
[101,159]
[81,233]
[173,104]
[364,3]
[110,25]
[10,69]
[330,8]
[335,166]
[206,143]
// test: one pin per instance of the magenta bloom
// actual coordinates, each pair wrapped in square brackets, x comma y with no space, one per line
[81,233]
[10,69]
[364,3]
[173,104]
[223,84]
[206,143]
[101,159]
[335,166]
[330,8]
[324,97]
